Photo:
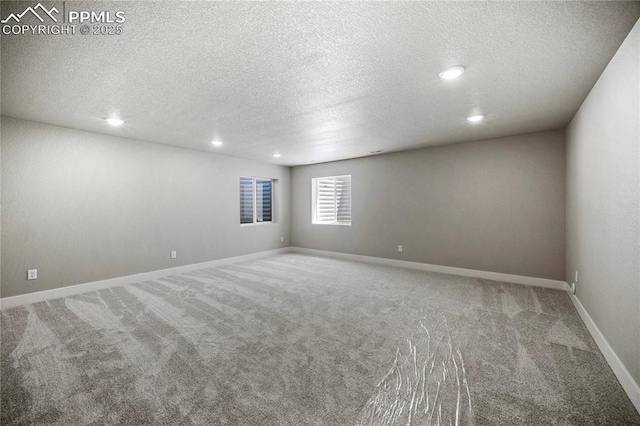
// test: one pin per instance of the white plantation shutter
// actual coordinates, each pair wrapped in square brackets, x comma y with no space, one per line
[343,199]
[332,200]
[326,203]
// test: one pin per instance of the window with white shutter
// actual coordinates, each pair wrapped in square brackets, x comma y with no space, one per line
[332,200]
[256,200]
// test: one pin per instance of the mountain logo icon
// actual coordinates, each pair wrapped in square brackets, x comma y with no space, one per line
[33,10]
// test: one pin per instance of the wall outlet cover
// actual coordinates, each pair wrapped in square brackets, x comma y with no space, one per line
[32,274]
[174,254]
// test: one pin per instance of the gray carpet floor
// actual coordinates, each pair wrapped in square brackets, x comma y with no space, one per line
[305,340]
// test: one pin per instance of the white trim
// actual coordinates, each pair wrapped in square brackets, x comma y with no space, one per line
[39,296]
[626,380]
[496,276]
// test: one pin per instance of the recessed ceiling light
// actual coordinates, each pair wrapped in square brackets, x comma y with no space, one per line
[475,118]
[277,155]
[451,73]
[216,143]
[115,121]
[376,152]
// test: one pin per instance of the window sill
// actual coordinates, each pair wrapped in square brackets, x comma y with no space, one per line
[256,224]
[331,224]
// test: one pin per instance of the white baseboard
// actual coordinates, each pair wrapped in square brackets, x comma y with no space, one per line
[39,296]
[626,380]
[450,270]
[23,299]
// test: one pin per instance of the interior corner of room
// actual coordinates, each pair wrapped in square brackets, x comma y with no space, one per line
[541,192]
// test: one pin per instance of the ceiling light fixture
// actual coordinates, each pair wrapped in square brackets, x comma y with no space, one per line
[475,118]
[277,155]
[376,152]
[216,143]
[451,73]
[115,121]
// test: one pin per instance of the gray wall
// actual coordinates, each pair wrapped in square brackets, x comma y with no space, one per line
[603,203]
[82,207]
[495,205]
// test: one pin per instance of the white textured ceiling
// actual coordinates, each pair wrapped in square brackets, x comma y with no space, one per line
[316,81]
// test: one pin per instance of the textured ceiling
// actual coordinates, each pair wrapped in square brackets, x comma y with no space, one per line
[316,81]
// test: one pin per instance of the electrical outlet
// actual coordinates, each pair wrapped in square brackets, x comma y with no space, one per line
[174,254]
[400,249]
[282,239]
[576,279]
[32,274]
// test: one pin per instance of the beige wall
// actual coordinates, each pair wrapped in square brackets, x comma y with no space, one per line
[496,205]
[603,203]
[83,207]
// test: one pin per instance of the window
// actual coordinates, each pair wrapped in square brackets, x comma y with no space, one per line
[256,200]
[332,200]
